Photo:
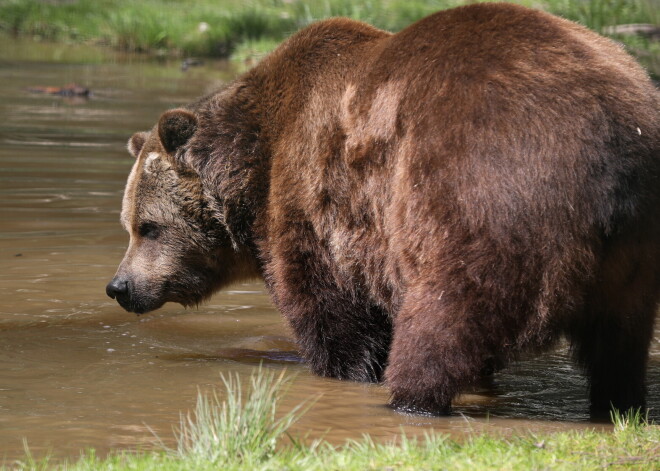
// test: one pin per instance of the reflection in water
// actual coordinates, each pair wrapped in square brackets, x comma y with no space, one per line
[76,371]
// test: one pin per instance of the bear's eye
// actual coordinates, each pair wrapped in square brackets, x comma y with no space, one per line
[149,230]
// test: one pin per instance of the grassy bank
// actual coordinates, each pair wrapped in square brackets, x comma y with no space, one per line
[244,432]
[213,28]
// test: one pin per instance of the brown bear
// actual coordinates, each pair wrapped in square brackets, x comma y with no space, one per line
[423,205]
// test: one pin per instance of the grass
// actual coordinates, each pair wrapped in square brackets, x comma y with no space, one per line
[600,14]
[210,28]
[245,432]
[237,429]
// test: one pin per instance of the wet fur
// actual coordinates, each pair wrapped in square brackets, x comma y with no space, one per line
[428,204]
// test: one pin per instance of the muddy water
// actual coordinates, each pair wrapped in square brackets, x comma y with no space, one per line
[76,371]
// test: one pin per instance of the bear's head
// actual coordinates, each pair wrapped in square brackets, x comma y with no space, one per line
[179,249]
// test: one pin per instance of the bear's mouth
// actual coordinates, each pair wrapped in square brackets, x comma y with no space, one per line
[141,295]
[139,304]
[138,295]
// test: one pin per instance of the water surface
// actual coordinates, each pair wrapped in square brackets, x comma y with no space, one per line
[76,371]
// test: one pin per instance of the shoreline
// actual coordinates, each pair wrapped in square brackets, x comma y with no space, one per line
[246,31]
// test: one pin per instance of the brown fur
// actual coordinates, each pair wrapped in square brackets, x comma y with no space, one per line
[177,251]
[431,203]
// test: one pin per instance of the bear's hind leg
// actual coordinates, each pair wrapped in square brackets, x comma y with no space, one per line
[442,343]
[614,353]
[611,339]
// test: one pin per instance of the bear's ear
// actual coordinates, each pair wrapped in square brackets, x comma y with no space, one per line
[175,128]
[136,142]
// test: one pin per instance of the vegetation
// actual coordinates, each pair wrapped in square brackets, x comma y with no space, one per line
[243,432]
[212,28]
[223,432]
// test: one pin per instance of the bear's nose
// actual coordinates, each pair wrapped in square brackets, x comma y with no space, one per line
[116,288]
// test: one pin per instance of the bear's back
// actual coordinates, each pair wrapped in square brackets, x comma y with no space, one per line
[521,120]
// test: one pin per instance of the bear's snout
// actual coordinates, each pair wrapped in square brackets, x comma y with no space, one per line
[129,296]
[117,288]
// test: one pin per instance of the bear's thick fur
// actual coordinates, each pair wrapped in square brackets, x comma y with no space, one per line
[423,205]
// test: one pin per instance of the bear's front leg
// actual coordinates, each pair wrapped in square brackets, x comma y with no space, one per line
[340,339]
[340,333]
